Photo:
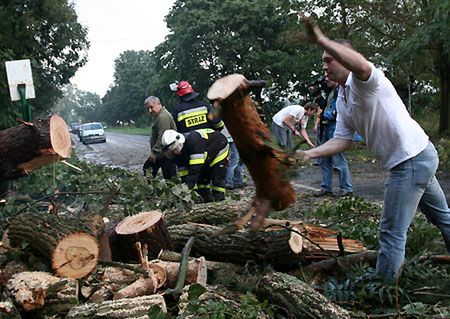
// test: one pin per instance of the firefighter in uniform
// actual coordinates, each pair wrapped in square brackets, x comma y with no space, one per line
[192,114]
[201,157]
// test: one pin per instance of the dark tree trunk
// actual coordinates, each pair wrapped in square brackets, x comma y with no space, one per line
[444,82]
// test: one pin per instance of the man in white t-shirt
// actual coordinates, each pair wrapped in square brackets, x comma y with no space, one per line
[285,121]
[369,104]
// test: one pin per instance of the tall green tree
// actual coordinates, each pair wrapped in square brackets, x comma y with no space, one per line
[210,39]
[134,74]
[46,32]
[79,106]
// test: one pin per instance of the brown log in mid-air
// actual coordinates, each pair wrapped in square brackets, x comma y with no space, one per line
[69,244]
[266,163]
[148,228]
[29,146]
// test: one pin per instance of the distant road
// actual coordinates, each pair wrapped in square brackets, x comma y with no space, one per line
[120,150]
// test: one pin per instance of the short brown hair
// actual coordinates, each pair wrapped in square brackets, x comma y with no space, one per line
[311,106]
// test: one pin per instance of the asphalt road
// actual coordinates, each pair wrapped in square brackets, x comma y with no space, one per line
[120,150]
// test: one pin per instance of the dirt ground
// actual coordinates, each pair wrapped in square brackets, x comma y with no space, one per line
[130,152]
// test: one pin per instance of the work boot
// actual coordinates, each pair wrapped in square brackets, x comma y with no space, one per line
[323,192]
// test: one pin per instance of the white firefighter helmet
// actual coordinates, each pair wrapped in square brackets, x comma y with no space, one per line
[171,140]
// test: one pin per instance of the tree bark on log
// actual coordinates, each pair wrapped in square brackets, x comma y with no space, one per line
[141,287]
[148,228]
[214,213]
[68,243]
[213,267]
[342,263]
[298,299]
[127,308]
[277,246]
[35,290]
[213,294]
[29,146]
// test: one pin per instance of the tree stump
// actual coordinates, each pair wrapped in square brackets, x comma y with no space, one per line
[127,308]
[298,299]
[69,243]
[29,146]
[277,246]
[148,228]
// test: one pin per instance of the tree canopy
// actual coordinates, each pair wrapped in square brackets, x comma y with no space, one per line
[46,32]
[134,76]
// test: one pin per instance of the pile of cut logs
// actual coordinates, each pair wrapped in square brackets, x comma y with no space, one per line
[122,269]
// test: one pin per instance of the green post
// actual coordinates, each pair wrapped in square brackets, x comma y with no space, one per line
[26,111]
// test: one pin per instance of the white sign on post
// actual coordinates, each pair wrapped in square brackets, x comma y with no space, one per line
[19,72]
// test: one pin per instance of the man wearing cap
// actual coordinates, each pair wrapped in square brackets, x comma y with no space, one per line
[201,157]
[192,114]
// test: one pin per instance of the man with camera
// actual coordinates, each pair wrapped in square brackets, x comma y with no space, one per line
[369,104]
[325,132]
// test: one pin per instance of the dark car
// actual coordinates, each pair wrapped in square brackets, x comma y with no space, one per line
[75,128]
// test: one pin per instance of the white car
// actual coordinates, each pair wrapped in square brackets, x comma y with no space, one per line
[92,133]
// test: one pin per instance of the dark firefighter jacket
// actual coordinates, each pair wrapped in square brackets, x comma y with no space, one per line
[193,115]
[202,150]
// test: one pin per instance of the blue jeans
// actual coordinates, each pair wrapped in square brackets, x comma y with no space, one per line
[410,184]
[234,170]
[338,161]
[282,135]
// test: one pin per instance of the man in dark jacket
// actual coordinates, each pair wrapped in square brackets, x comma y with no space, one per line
[201,157]
[163,121]
[192,114]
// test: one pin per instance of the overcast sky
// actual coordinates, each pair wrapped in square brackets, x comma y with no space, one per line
[115,26]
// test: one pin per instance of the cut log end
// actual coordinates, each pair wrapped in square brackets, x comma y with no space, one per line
[224,87]
[76,255]
[60,137]
[296,241]
[137,223]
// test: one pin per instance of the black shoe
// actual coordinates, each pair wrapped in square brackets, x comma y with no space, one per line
[343,193]
[323,192]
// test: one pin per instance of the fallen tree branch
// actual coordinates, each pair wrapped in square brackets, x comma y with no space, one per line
[342,263]
[183,269]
